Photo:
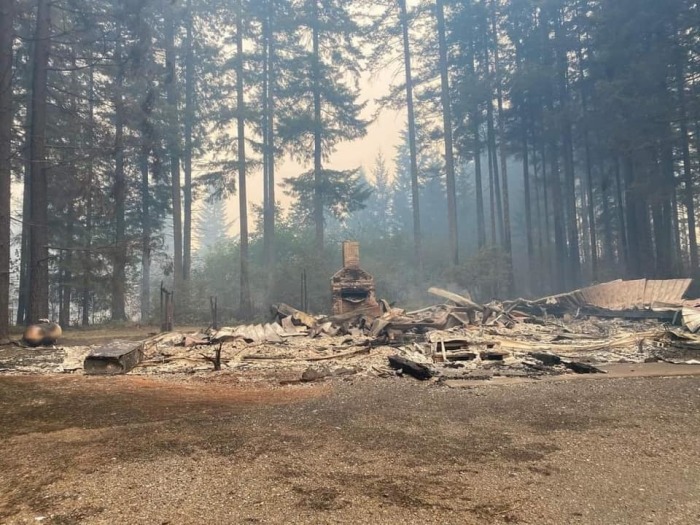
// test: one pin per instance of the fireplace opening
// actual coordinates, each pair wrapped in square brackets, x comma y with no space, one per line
[354,296]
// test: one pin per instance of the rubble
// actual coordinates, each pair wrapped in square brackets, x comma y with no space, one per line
[691,318]
[456,340]
[637,299]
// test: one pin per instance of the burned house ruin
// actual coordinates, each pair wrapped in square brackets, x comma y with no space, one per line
[352,288]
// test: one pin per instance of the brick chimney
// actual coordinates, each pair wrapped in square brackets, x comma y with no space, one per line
[352,288]
[351,254]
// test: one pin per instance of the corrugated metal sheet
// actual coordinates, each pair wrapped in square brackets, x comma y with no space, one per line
[691,319]
[674,291]
[640,294]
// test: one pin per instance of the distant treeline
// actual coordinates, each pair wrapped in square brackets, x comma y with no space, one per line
[548,144]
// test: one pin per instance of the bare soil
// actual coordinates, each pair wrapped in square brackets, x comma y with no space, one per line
[98,334]
[130,449]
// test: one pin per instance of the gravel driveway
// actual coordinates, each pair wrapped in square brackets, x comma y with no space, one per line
[77,449]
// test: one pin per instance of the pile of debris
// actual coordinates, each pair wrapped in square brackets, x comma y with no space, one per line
[637,299]
[573,333]
[458,339]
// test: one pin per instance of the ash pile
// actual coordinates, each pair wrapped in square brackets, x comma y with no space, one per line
[456,339]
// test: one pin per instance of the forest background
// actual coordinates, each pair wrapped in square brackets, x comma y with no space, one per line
[544,145]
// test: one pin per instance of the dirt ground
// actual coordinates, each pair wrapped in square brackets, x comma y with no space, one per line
[99,334]
[129,449]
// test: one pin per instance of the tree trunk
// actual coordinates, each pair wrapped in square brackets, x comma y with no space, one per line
[272,207]
[265,137]
[668,265]
[187,157]
[146,148]
[119,262]
[547,260]
[589,178]
[245,305]
[608,251]
[689,194]
[38,229]
[492,193]
[507,242]
[479,187]
[528,198]
[559,273]
[66,266]
[23,295]
[64,290]
[6,40]
[522,104]
[318,154]
[661,268]
[584,229]
[23,299]
[144,50]
[538,216]
[87,242]
[494,173]
[415,189]
[447,130]
[67,271]
[678,250]
[174,148]
[476,146]
[637,221]
[145,236]
[551,146]
[574,254]
[269,118]
[501,138]
[574,250]
[623,245]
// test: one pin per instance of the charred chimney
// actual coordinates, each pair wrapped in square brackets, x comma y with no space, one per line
[352,288]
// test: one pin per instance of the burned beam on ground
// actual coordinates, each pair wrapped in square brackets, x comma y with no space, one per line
[456,298]
[546,358]
[417,370]
[583,368]
[283,310]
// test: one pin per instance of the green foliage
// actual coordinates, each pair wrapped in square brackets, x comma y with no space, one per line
[212,225]
[333,75]
[485,274]
[218,275]
[342,193]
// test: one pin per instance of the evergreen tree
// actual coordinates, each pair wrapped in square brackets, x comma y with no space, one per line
[326,108]
[212,225]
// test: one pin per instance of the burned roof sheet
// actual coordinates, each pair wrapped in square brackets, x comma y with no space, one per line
[640,294]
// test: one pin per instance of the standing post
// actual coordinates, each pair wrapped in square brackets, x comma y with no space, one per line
[169,322]
[213,304]
[304,292]
[162,315]
[166,309]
